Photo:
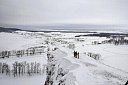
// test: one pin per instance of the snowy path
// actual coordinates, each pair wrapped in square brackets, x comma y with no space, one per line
[89,70]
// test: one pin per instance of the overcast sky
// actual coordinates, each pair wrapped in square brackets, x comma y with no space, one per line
[39,12]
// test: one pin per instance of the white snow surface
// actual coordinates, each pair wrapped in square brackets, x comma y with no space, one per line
[111,69]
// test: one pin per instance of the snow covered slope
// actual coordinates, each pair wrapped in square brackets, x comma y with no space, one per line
[110,69]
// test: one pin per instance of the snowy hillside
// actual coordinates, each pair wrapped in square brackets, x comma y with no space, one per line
[50,59]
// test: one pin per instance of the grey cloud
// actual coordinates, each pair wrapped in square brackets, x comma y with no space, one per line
[37,12]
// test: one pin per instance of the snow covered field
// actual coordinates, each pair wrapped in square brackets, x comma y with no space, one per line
[110,69]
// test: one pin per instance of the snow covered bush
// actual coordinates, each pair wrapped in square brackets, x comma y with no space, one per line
[94,55]
[21,68]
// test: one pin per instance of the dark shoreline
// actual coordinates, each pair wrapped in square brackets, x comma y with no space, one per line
[2,29]
[93,33]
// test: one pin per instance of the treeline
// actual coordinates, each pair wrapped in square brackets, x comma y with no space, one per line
[21,69]
[104,34]
[116,41]
[20,53]
[50,70]
[56,75]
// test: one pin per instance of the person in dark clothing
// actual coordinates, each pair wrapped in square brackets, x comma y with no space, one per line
[75,54]
[78,55]
[126,83]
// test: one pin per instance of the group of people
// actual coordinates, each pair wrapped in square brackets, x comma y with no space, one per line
[76,54]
